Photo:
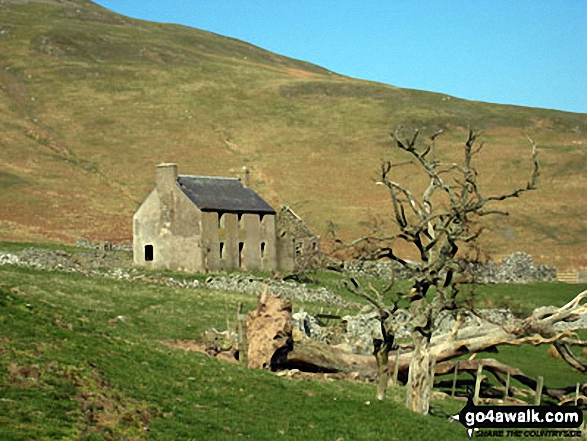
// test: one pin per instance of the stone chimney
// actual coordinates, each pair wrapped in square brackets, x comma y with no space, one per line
[246,178]
[166,177]
[166,185]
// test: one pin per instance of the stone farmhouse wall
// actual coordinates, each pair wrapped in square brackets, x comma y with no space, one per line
[239,241]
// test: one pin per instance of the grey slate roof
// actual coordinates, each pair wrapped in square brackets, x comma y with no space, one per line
[225,195]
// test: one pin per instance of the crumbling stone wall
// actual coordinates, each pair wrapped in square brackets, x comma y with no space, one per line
[517,268]
[297,242]
[86,244]
[117,265]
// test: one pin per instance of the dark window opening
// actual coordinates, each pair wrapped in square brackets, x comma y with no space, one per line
[261,217]
[241,255]
[148,253]
[222,250]
[296,247]
[239,217]
[262,249]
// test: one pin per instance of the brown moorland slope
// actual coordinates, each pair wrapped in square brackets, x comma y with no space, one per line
[91,101]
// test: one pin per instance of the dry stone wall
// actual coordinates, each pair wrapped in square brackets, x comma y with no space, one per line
[517,268]
[117,265]
[289,290]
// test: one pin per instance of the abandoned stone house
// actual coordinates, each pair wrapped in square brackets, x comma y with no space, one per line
[202,223]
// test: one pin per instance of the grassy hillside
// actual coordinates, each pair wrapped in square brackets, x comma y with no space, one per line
[91,101]
[82,358]
[70,369]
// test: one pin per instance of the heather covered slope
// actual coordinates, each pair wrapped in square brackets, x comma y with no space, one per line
[90,101]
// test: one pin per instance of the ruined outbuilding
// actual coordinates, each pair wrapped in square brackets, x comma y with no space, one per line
[203,223]
[299,240]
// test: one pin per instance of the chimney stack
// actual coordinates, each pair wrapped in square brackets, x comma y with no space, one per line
[246,179]
[166,177]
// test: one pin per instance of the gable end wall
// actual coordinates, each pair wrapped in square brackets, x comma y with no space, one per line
[169,222]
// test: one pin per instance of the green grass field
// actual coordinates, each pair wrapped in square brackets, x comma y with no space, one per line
[80,359]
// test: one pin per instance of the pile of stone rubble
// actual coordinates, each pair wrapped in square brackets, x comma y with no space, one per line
[355,333]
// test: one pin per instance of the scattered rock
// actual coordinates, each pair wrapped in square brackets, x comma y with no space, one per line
[355,333]
[553,352]
[217,341]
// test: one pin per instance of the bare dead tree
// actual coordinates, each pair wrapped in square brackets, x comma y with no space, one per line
[436,222]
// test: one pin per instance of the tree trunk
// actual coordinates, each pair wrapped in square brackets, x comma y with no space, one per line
[382,356]
[422,360]
[315,356]
[421,375]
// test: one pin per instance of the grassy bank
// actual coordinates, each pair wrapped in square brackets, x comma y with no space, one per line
[80,359]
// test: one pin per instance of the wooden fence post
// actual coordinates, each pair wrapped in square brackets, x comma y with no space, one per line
[396,366]
[454,379]
[241,329]
[478,379]
[539,385]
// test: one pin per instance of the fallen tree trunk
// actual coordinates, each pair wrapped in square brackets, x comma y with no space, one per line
[270,325]
[314,356]
[537,329]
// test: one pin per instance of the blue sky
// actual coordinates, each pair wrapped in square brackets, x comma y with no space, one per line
[524,52]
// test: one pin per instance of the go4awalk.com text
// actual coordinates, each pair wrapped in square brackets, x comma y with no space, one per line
[521,421]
